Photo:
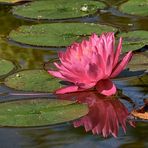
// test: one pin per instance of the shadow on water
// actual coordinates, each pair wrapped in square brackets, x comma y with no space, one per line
[65,135]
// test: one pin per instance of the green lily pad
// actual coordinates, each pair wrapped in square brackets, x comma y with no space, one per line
[57,9]
[139,62]
[33,80]
[56,34]
[141,81]
[138,66]
[6,67]
[135,7]
[39,112]
[134,40]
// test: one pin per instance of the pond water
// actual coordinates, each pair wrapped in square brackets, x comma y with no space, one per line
[65,135]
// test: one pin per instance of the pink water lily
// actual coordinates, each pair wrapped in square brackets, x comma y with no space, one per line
[91,64]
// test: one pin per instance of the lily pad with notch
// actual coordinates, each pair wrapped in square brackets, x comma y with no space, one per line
[39,112]
[56,34]
[57,9]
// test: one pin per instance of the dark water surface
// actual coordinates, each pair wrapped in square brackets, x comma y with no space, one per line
[66,136]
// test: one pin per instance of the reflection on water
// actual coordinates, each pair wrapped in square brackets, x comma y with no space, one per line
[122,21]
[27,58]
[105,114]
[67,137]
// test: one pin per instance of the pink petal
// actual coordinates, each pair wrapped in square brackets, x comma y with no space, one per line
[122,65]
[106,87]
[56,74]
[68,89]
[117,53]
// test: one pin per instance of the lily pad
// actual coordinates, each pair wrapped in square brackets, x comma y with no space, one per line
[57,9]
[140,81]
[56,34]
[33,80]
[135,7]
[134,40]
[39,112]
[6,67]
[12,1]
[139,62]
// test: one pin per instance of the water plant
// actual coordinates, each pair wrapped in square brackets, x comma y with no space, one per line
[91,64]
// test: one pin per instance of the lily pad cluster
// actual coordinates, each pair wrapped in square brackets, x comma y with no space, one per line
[39,112]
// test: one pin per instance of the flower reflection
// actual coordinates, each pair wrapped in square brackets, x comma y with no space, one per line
[105,114]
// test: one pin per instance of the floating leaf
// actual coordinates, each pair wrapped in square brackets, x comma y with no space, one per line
[139,62]
[39,112]
[6,67]
[12,1]
[135,7]
[33,80]
[57,9]
[129,74]
[139,81]
[138,66]
[134,40]
[56,34]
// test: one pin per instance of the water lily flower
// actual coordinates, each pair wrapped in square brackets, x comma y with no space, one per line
[91,64]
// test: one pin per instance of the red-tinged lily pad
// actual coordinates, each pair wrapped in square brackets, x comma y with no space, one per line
[33,80]
[39,112]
